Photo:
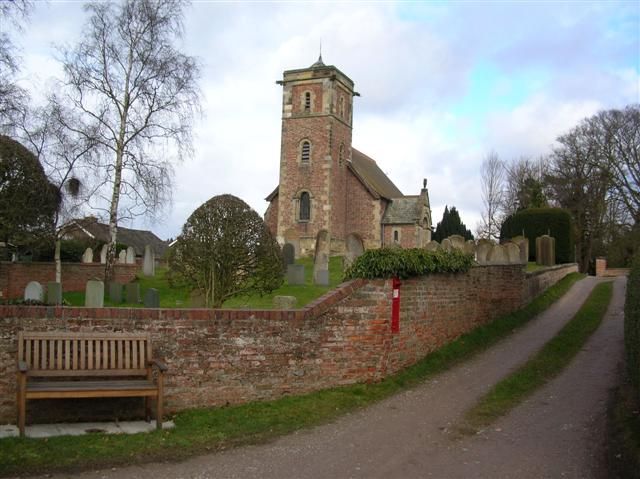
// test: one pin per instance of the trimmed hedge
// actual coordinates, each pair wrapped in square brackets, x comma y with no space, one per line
[404,263]
[632,325]
[536,222]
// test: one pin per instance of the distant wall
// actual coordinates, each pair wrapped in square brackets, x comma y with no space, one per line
[14,277]
[218,357]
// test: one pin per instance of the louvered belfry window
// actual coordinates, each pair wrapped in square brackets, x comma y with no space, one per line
[305,154]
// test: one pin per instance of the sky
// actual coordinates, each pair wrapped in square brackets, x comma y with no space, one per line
[442,84]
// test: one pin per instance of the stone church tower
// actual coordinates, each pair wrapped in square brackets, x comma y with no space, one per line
[328,186]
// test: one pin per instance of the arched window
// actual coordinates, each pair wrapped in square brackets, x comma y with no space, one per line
[307,101]
[305,206]
[305,151]
[396,236]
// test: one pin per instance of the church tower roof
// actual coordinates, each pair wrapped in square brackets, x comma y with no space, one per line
[319,63]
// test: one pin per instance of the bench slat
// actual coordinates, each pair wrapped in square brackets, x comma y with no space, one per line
[115,385]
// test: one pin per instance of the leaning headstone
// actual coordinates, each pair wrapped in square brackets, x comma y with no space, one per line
[115,292]
[152,298]
[446,245]
[354,248]
[546,250]
[132,293]
[87,256]
[321,259]
[432,246]
[196,299]
[470,247]
[149,262]
[122,257]
[34,292]
[513,252]
[289,253]
[284,302]
[131,255]
[54,293]
[103,253]
[497,255]
[457,242]
[94,294]
[295,274]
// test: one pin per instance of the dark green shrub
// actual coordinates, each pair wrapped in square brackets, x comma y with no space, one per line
[536,222]
[405,263]
[632,325]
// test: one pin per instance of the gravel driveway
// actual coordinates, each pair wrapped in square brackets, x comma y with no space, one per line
[558,432]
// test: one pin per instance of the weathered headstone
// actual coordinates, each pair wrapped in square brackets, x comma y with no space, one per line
[115,292]
[152,298]
[497,255]
[149,262]
[295,274]
[523,244]
[457,242]
[432,245]
[33,292]
[132,293]
[321,259]
[513,252]
[354,248]
[122,257]
[196,299]
[446,245]
[131,255]
[284,302]
[482,250]
[292,237]
[103,253]
[94,294]
[545,250]
[321,277]
[289,253]
[470,247]
[87,256]
[54,293]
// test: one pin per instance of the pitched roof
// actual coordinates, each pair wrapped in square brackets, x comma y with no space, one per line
[407,209]
[136,238]
[373,178]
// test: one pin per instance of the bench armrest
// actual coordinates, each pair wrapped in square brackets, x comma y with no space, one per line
[22,366]
[162,367]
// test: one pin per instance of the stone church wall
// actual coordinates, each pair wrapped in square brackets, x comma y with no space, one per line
[219,357]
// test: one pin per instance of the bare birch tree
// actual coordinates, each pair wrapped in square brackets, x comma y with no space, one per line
[135,95]
[492,178]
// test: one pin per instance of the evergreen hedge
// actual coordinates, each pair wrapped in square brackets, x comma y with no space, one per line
[632,325]
[536,222]
[404,263]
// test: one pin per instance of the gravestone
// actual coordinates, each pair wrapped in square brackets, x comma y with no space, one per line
[288,254]
[292,237]
[523,244]
[87,256]
[103,253]
[122,257]
[284,302]
[196,299]
[446,245]
[152,298]
[295,274]
[354,249]
[321,259]
[131,255]
[149,262]
[432,245]
[34,292]
[470,247]
[115,292]
[497,255]
[545,250]
[482,250]
[513,252]
[94,294]
[132,293]
[457,242]
[54,293]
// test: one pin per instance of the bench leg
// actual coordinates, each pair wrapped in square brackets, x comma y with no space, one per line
[22,402]
[160,410]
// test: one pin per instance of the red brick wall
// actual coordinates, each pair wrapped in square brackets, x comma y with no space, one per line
[364,212]
[407,235]
[271,216]
[14,277]
[218,357]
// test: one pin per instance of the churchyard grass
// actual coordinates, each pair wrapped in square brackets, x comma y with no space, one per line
[543,366]
[533,266]
[203,430]
[176,297]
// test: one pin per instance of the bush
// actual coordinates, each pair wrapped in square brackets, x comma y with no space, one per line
[536,222]
[405,263]
[632,325]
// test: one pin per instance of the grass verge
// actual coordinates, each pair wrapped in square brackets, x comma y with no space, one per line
[201,430]
[543,366]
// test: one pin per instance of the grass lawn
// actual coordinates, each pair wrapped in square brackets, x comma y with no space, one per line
[203,430]
[179,297]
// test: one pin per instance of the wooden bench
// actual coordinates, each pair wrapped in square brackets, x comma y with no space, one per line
[87,365]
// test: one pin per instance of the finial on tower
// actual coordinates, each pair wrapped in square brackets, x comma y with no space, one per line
[424,183]
[319,62]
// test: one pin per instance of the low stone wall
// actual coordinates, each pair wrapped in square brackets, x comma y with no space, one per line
[14,277]
[537,282]
[218,357]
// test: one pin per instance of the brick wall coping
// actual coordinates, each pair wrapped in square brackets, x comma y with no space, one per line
[551,268]
[74,263]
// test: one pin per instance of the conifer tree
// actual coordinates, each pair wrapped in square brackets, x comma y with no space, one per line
[451,224]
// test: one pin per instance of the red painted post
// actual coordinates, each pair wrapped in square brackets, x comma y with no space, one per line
[395,306]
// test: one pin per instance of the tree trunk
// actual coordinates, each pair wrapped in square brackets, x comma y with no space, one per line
[57,260]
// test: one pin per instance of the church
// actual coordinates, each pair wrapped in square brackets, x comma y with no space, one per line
[326,185]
